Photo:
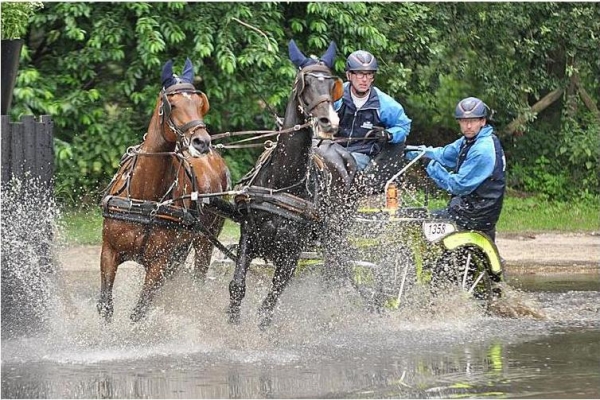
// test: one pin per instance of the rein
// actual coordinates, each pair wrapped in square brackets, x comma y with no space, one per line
[266,134]
[261,135]
[317,71]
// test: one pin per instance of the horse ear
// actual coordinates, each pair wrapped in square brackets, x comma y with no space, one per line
[329,56]
[296,55]
[205,104]
[167,73]
[188,71]
[338,89]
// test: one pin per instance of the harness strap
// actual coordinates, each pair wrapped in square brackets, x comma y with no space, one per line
[263,198]
[150,213]
[264,157]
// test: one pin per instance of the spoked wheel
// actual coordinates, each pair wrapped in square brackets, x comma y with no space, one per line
[364,280]
[468,268]
[383,284]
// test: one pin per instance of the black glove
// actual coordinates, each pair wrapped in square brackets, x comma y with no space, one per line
[385,136]
[381,135]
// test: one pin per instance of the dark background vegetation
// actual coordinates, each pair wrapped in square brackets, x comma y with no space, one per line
[95,68]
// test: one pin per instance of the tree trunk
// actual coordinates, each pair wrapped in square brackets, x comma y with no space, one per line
[587,99]
[535,109]
[11,52]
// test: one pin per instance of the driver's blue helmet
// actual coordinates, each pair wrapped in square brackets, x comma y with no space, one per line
[361,60]
[471,107]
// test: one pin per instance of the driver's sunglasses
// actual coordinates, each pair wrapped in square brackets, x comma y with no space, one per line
[361,75]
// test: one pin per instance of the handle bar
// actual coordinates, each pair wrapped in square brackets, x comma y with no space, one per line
[407,166]
[409,147]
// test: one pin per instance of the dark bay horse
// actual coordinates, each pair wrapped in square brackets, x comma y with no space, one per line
[297,192]
[152,213]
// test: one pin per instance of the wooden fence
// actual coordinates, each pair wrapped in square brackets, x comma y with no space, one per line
[27,223]
[27,149]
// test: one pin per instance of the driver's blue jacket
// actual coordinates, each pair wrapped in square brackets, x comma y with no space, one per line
[380,110]
[473,171]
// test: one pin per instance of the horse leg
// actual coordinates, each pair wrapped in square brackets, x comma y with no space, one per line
[337,256]
[284,270]
[109,262]
[203,253]
[176,260]
[152,282]
[204,247]
[237,286]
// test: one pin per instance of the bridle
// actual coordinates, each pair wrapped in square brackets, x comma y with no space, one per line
[164,113]
[321,72]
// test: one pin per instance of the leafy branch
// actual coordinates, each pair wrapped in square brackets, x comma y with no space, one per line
[15,18]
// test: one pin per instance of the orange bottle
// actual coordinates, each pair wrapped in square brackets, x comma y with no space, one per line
[391,196]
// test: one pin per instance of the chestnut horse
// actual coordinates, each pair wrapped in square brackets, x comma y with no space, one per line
[297,192]
[152,212]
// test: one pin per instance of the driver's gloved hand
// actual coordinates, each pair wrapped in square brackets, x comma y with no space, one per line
[383,136]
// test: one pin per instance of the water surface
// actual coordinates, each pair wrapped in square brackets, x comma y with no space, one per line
[323,344]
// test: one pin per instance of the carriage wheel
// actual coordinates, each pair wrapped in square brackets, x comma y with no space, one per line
[468,268]
[383,284]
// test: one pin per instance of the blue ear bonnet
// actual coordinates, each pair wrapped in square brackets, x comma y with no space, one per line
[301,61]
[169,78]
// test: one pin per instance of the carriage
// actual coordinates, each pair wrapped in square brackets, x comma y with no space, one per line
[298,205]
[398,245]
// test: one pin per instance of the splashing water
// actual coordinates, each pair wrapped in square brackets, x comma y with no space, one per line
[51,312]
[28,216]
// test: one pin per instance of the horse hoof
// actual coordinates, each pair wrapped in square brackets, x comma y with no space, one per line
[105,312]
[264,324]
[266,318]
[137,315]
[234,312]
[234,319]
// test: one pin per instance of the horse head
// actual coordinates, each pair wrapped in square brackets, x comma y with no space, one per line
[316,89]
[182,109]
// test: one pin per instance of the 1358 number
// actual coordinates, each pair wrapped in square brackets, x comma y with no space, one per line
[435,230]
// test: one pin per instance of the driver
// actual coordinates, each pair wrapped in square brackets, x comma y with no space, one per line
[366,111]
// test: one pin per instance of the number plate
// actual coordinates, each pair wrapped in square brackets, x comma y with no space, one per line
[436,230]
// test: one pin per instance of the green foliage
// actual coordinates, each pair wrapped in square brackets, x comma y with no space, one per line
[433,111]
[15,18]
[579,151]
[94,157]
[543,177]
[94,67]
[562,168]
[525,59]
